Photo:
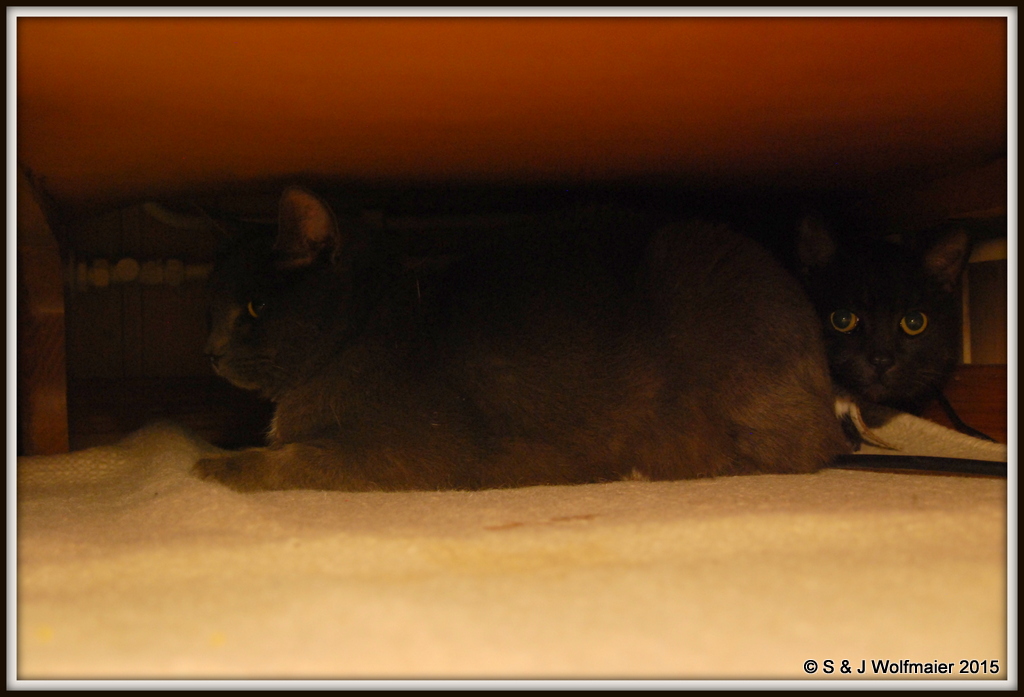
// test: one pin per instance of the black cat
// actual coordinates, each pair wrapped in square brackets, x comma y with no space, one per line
[567,354]
[890,315]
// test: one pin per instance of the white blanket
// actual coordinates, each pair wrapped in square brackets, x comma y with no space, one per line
[130,568]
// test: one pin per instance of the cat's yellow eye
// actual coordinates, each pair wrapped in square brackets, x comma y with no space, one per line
[913,323]
[843,321]
[255,309]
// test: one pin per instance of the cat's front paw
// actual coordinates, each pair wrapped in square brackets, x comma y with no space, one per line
[853,439]
[242,471]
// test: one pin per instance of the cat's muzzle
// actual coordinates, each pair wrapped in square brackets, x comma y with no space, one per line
[214,362]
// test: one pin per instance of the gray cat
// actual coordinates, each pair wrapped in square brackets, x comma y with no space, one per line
[571,353]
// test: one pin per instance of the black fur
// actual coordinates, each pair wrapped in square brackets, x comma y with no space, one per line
[883,283]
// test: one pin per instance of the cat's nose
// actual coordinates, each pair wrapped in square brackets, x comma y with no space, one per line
[882,362]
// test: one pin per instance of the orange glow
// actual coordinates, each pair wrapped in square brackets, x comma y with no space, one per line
[129,106]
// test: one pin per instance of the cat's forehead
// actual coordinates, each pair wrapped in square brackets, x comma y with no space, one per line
[876,275]
[882,257]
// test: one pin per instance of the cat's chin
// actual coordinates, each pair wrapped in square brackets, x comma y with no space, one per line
[238,381]
[894,398]
[876,393]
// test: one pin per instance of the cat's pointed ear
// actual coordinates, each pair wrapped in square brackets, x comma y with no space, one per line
[306,228]
[946,259]
[815,246]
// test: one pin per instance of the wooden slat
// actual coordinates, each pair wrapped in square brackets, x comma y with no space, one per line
[42,374]
[988,305]
[95,315]
[131,295]
[978,394]
[94,333]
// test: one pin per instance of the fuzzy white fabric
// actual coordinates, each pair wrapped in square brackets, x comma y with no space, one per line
[910,435]
[130,568]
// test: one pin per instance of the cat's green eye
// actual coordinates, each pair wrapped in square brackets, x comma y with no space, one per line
[255,309]
[843,321]
[913,323]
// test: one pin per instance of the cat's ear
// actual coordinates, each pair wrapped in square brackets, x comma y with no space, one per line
[946,259]
[815,246]
[306,228]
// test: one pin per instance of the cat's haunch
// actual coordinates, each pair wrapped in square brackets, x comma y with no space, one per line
[574,349]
